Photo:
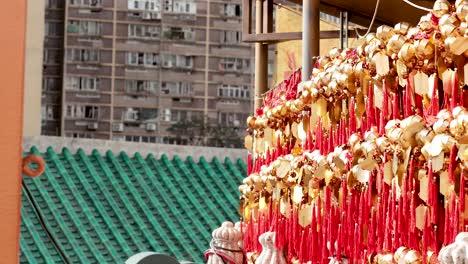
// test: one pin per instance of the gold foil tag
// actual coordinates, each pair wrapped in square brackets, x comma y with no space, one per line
[388,173]
[438,162]
[378,96]
[248,142]
[420,215]
[465,214]
[294,130]
[276,192]
[285,207]
[268,137]
[381,64]
[444,184]
[297,194]
[287,131]
[259,145]
[283,168]
[301,133]
[421,81]
[465,70]
[262,205]
[305,215]
[446,80]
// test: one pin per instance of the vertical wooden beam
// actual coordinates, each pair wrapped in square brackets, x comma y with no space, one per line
[267,16]
[246,17]
[310,35]
[12,37]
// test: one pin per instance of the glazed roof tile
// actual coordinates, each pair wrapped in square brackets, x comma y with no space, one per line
[105,208]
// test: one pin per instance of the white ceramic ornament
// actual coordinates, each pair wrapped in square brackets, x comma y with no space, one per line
[457,252]
[270,254]
[224,247]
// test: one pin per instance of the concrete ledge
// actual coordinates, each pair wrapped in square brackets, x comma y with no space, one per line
[88,145]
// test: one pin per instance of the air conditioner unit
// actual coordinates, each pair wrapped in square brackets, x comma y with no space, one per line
[151,127]
[93,125]
[117,127]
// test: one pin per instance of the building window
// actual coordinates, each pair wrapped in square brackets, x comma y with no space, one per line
[143,31]
[180,6]
[144,139]
[138,86]
[234,64]
[51,56]
[54,3]
[82,55]
[231,119]
[233,91]
[50,84]
[48,113]
[80,83]
[140,114]
[231,37]
[144,5]
[83,111]
[52,28]
[178,33]
[232,10]
[80,135]
[177,61]
[177,88]
[86,3]
[146,59]
[173,115]
[84,27]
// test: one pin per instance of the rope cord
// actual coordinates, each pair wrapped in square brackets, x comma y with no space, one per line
[417,6]
[287,8]
[371,23]
[42,222]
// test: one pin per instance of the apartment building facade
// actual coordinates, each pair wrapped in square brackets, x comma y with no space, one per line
[130,69]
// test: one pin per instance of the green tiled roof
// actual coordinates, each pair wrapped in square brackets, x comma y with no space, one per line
[106,208]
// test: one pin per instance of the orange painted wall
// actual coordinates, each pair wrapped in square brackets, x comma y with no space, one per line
[12,49]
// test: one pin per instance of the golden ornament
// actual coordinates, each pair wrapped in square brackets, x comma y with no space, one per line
[441,7]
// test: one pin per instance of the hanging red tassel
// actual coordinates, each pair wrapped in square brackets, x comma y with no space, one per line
[435,97]
[462,196]
[409,94]
[319,137]
[249,163]
[352,116]
[396,108]
[452,163]
[370,107]
[278,147]
[455,92]
[464,96]
[309,140]
[456,221]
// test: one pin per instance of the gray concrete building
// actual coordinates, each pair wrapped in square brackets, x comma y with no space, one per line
[127,70]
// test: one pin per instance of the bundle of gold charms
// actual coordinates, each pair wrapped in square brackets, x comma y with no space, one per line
[367,161]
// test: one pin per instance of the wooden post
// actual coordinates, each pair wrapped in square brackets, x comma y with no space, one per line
[12,37]
[261,56]
[310,35]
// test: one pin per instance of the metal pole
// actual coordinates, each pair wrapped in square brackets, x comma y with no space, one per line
[343,30]
[261,58]
[310,35]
